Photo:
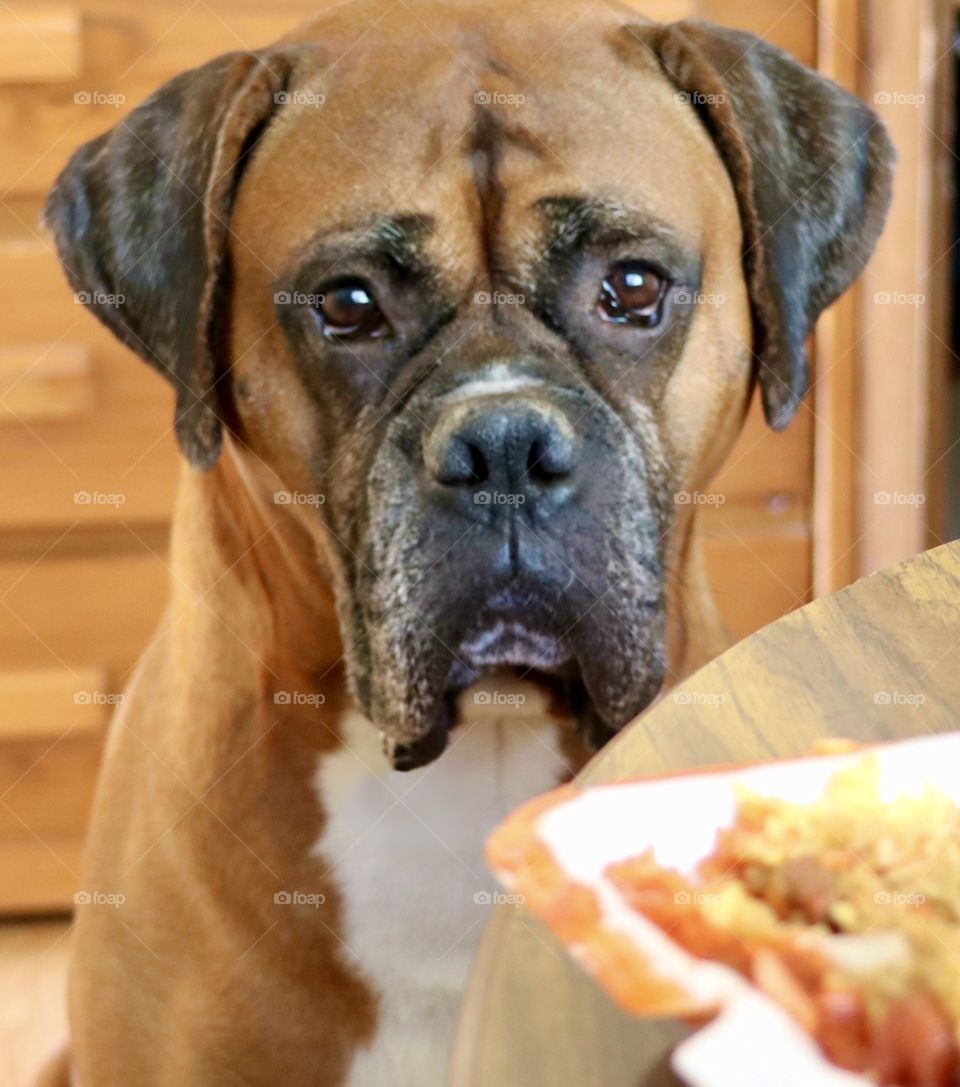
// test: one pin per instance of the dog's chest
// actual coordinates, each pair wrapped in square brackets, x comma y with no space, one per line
[406,852]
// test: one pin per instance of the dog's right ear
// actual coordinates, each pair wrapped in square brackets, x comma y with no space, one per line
[140,218]
[811,168]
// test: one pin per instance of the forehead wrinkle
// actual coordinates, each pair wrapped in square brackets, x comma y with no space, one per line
[487,143]
[484,150]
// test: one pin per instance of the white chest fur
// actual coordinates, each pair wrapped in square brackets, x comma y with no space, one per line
[406,851]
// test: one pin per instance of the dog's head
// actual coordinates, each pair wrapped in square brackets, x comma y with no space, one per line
[496,289]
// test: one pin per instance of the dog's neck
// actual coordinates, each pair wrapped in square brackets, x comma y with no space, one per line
[246,578]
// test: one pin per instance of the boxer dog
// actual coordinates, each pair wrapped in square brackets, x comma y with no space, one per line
[455,302]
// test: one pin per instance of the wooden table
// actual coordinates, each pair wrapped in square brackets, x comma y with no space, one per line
[877,661]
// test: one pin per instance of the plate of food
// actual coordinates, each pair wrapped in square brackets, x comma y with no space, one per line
[806,911]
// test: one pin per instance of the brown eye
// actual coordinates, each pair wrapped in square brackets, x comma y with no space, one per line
[632,293]
[350,309]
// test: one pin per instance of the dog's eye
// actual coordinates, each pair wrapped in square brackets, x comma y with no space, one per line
[348,308]
[632,293]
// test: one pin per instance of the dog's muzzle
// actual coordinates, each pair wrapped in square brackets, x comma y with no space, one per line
[512,529]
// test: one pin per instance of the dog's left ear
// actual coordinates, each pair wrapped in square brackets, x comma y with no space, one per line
[812,168]
[140,219]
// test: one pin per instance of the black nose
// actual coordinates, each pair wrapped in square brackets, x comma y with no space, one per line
[502,451]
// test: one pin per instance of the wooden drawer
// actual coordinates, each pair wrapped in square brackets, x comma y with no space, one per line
[50,703]
[37,304]
[759,564]
[42,384]
[51,734]
[64,767]
[85,426]
[40,43]
[78,609]
[39,876]
[114,462]
[756,523]
[773,469]
[72,626]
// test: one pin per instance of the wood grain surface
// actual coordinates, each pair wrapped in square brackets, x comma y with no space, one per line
[877,661]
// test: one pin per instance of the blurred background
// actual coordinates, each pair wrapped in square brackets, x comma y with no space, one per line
[867,474]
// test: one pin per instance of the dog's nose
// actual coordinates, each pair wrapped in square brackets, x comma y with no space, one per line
[503,450]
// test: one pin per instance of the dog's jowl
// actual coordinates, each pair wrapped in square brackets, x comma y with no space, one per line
[454,307]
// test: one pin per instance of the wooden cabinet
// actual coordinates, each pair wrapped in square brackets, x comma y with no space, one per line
[87,456]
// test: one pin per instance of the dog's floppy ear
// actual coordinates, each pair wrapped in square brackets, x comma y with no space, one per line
[140,219]
[811,166]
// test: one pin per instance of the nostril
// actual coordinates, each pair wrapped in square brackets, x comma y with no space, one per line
[550,459]
[462,462]
[478,467]
[537,467]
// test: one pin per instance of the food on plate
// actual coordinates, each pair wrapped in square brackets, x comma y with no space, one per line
[806,912]
[846,911]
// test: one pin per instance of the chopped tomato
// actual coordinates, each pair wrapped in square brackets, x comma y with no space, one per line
[914,1046]
[844,1029]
